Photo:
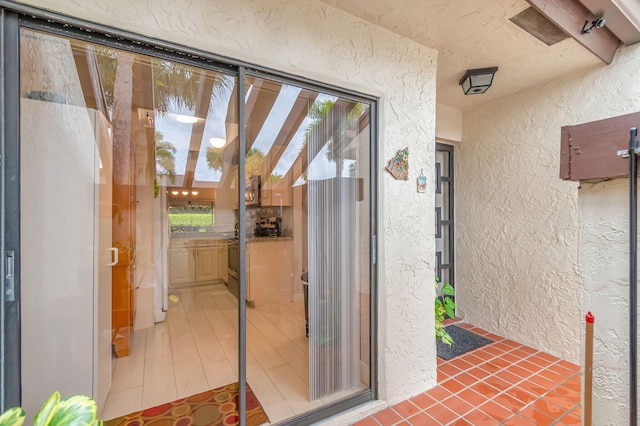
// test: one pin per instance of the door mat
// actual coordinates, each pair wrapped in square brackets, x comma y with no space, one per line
[217,407]
[463,341]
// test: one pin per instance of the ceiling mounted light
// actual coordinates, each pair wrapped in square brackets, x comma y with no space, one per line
[174,192]
[186,119]
[194,192]
[477,81]
[217,142]
[185,192]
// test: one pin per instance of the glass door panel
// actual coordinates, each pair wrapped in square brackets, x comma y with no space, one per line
[126,229]
[308,281]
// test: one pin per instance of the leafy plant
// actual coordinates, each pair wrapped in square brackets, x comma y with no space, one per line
[76,410]
[444,305]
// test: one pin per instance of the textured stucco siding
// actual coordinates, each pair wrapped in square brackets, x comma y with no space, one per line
[518,224]
[604,262]
[314,40]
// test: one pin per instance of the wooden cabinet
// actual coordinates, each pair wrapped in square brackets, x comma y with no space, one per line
[182,265]
[197,261]
[269,272]
[208,263]
[224,261]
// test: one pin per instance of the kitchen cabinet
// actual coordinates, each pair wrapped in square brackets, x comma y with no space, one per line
[269,271]
[224,261]
[196,261]
[182,265]
[207,264]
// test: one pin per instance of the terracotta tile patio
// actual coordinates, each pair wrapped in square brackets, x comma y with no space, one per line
[503,383]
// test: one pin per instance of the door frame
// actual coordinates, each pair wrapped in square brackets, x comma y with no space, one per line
[451,212]
[13,16]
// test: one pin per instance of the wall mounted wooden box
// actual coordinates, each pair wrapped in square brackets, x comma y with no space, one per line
[589,150]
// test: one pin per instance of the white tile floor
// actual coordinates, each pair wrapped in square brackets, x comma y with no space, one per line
[196,349]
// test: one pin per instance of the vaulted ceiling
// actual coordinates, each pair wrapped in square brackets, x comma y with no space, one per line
[475,34]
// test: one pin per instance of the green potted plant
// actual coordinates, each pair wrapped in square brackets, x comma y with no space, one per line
[444,306]
[76,410]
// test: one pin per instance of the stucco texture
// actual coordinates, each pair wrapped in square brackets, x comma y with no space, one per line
[518,224]
[314,40]
[604,260]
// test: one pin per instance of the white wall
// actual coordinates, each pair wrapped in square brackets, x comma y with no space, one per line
[604,262]
[314,40]
[518,224]
[448,123]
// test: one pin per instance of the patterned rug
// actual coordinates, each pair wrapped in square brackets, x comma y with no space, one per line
[211,408]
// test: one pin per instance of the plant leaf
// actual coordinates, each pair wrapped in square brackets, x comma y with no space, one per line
[448,290]
[77,410]
[450,307]
[48,410]
[12,417]
[447,339]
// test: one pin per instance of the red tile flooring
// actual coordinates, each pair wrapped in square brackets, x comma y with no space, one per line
[503,383]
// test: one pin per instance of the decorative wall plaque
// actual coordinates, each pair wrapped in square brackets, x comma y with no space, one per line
[398,166]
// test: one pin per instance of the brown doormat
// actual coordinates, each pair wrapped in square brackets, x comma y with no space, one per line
[211,408]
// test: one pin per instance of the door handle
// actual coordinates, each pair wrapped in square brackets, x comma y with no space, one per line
[9,279]
[114,250]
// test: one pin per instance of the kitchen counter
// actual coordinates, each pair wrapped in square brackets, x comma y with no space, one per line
[201,236]
[267,239]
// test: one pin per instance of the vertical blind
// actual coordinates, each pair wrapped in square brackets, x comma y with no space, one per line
[333,211]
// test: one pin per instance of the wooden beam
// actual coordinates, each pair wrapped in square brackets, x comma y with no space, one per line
[589,150]
[570,16]
[205,91]
[289,128]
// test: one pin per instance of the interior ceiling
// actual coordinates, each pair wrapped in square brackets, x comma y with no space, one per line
[475,34]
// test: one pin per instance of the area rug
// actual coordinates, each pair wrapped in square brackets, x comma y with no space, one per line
[463,341]
[217,407]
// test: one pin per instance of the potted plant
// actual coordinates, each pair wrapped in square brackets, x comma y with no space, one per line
[76,410]
[444,305]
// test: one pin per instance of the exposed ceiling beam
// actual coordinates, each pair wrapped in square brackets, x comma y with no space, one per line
[570,16]
[203,102]
[258,106]
[324,129]
[623,17]
[289,128]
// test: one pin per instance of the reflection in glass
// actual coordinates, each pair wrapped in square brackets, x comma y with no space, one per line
[130,266]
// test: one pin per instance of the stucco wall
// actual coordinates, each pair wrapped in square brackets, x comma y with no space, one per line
[314,40]
[604,262]
[517,223]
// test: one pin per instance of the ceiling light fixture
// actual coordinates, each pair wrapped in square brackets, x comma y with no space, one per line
[598,23]
[186,119]
[477,81]
[194,192]
[174,192]
[185,192]
[217,142]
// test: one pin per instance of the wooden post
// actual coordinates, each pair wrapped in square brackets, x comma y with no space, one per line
[588,370]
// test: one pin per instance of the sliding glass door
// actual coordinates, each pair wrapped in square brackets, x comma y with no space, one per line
[189,233]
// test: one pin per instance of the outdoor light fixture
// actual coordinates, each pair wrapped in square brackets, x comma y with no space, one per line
[477,81]
[174,192]
[194,192]
[598,23]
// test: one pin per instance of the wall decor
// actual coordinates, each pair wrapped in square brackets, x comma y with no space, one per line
[422,182]
[398,166]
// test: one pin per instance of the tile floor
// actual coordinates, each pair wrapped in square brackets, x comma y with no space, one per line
[503,383]
[196,349]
